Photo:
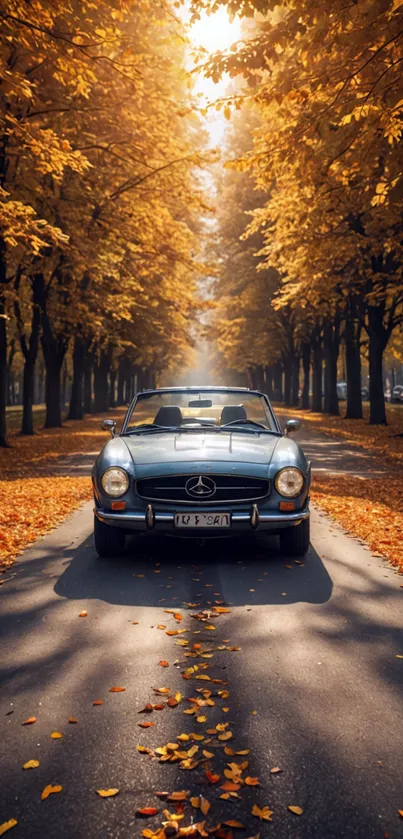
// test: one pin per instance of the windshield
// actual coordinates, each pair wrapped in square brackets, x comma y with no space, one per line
[193,410]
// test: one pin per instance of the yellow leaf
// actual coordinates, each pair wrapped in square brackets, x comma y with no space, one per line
[195,802]
[56,735]
[262,812]
[226,735]
[31,764]
[297,810]
[107,793]
[7,826]
[49,790]
[207,754]
[205,806]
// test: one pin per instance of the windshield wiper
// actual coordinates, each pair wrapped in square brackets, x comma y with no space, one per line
[146,426]
[246,422]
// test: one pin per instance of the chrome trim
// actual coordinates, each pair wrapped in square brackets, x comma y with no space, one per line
[169,517]
[150,517]
[211,499]
[255,517]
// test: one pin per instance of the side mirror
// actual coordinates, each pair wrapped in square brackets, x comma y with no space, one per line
[291,426]
[109,425]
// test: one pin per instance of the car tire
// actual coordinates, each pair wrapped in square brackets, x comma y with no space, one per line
[294,541]
[109,541]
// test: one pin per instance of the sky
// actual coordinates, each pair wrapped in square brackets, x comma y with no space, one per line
[214,33]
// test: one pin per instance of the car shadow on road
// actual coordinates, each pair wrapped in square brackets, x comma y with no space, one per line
[240,571]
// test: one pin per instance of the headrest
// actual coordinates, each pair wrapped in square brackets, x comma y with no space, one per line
[233,412]
[169,415]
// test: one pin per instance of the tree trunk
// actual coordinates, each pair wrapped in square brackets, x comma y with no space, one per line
[3,369]
[352,338]
[295,380]
[317,375]
[278,382]
[331,340]
[306,365]
[377,411]
[269,382]
[112,388]
[121,383]
[52,388]
[76,410]
[287,380]
[101,390]
[27,426]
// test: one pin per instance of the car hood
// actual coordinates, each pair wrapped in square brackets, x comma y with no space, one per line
[172,453]
[188,447]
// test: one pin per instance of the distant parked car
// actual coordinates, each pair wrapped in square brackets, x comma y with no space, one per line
[342,390]
[397,394]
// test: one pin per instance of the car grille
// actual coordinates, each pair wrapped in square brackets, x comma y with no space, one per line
[228,489]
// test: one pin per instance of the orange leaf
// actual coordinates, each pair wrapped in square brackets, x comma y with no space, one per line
[107,793]
[72,720]
[56,735]
[148,709]
[146,724]
[29,721]
[164,663]
[252,782]
[145,812]
[262,812]
[7,826]
[228,786]
[172,703]
[98,702]
[178,796]
[178,616]
[212,778]
[275,770]
[31,764]
[297,810]
[49,790]
[116,689]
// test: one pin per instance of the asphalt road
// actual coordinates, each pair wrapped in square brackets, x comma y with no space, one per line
[315,689]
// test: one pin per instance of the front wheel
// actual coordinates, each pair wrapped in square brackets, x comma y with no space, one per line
[109,540]
[295,540]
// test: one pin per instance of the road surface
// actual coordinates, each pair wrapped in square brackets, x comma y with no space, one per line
[315,688]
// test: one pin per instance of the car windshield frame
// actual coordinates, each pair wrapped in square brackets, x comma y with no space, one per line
[196,392]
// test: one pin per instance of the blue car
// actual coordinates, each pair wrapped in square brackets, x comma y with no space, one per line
[201,461]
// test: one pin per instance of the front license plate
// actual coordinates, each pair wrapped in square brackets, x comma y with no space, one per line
[204,520]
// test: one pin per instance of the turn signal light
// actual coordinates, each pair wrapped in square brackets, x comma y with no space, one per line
[118,505]
[287,506]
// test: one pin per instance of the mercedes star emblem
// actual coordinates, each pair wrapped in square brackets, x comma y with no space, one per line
[201,487]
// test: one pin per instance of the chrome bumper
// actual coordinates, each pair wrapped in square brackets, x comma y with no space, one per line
[151,519]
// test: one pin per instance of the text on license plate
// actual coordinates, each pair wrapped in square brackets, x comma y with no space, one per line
[203,520]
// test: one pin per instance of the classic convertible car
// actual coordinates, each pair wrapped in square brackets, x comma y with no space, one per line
[201,461]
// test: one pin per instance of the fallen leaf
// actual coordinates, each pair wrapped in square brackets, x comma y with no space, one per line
[144,751]
[207,754]
[164,664]
[161,626]
[56,735]
[145,812]
[135,623]
[83,614]
[116,689]
[158,707]
[400,813]
[49,790]
[252,782]
[226,735]
[294,809]
[31,764]
[275,770]
[229,751]
[98,702]
[29,721]
[162,691]
[234,823]
[262,812]
[107,793]
[146,724]
[229,786]
[243,752]
[178,796]
[212,778]
[7,826]
[72,720]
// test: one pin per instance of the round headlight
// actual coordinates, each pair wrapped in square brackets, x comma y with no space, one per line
[289,482]
[115,481]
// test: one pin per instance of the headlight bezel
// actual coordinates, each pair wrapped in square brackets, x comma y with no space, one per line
[278,476]
[115,469]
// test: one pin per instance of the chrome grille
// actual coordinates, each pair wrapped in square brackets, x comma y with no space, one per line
[228,489]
